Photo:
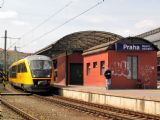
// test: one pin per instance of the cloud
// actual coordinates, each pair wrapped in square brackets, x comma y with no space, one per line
[19,23]
[145,24]
[96,19]
[8,14]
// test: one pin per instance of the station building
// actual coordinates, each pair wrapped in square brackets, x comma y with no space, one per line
[132,60]
[81,58]
[67,57]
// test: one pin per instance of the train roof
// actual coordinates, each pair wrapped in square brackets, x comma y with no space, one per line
[32,57]
[35,57]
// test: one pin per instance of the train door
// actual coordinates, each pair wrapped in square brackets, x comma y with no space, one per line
[76,74]
[19,74]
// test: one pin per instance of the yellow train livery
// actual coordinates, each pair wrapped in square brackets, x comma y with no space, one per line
[33,73]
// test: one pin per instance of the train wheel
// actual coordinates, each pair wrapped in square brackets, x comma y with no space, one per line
[22,86]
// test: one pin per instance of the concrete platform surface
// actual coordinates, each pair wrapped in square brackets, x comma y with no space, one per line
[147,101]
[146,94]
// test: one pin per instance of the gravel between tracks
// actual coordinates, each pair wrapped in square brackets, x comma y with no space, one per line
[8,114]
[44,110]
[47,111]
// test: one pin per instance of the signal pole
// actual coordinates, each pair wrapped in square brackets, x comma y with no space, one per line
[5,52]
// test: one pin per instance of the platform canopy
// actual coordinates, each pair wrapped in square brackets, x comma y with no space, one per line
[79,41]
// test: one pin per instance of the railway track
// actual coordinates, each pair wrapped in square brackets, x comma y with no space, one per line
[98,110]
[17,110]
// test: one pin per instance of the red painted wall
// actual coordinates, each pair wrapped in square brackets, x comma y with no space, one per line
[94,78]
[117,61]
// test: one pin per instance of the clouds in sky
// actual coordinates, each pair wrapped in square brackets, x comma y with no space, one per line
[8,14]
[19,23]
[145,24]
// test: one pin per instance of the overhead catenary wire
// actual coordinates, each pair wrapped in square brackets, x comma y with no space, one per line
[43,22]
[59,26]
[47,19]
[11,38]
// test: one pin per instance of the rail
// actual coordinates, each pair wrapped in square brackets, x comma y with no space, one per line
[17,110]
[100,110]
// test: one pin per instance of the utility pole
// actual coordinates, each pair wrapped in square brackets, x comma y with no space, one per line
[66,68]
[5,52]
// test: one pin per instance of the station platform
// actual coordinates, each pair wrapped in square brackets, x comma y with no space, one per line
[142,100]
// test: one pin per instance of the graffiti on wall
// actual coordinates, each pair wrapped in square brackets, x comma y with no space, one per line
[119,68]
[146,72]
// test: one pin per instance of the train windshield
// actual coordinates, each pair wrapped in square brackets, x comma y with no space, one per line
[41,68]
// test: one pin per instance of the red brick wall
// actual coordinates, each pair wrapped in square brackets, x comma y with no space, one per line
[147,68]
[61,70]
[74,58]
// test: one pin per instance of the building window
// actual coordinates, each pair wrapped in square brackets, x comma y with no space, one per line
[132,65]
[94,64]
[88,68]
[102,68]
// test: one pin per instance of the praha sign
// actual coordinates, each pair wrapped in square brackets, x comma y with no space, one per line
[133,47]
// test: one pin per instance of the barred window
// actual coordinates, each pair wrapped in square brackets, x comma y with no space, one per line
[88,68]
[102,67]
[132,65]
[94,64]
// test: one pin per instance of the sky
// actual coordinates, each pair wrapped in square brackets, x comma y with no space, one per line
[38,23]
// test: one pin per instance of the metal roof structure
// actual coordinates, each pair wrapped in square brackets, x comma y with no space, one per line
[79,41]
[151,32]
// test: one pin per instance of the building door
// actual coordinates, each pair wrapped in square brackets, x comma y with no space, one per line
[76,74]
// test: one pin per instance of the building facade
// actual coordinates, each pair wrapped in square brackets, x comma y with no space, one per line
[67,57]
[133,62]
[154,37]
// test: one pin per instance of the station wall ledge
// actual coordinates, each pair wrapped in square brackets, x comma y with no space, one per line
[131,103]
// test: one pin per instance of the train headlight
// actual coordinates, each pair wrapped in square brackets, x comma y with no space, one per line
[48,75]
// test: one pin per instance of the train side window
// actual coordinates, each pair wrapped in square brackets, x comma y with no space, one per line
[19,68]
[24,69]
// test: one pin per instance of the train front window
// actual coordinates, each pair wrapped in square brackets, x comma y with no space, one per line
[40,64]
[41,68]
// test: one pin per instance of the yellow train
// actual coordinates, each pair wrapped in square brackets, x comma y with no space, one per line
[33,73]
